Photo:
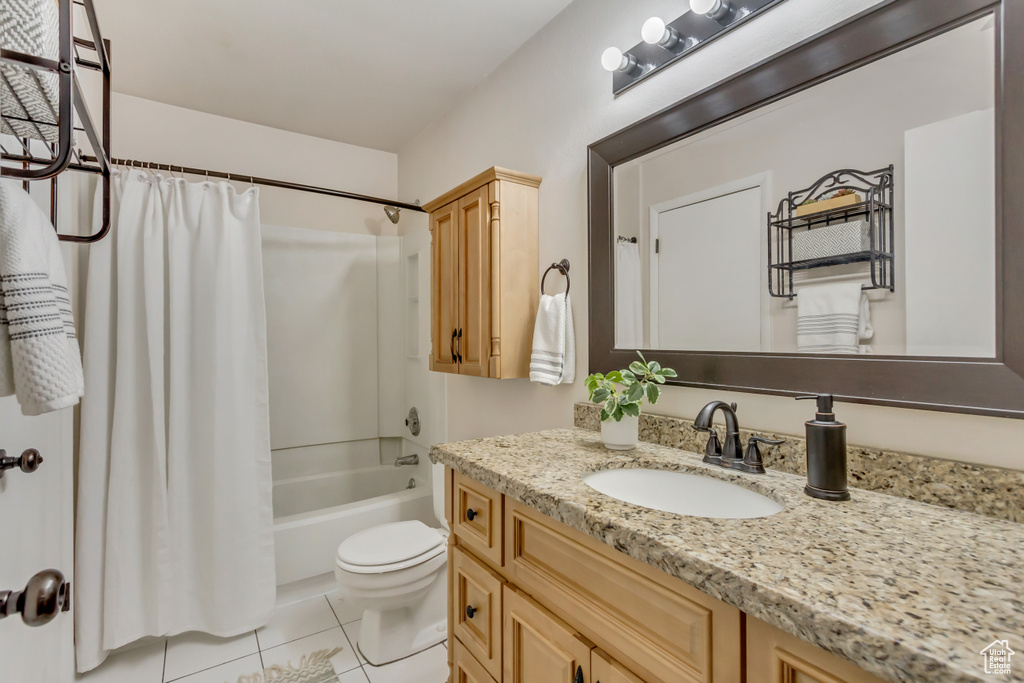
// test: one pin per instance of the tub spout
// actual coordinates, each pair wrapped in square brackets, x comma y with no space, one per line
[408,460]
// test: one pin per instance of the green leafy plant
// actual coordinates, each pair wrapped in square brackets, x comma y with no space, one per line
[622,391]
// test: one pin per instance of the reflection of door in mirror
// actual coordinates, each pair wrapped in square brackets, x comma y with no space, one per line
[703,233]
[713,237]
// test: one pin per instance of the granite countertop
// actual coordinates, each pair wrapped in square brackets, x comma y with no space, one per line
[905,590]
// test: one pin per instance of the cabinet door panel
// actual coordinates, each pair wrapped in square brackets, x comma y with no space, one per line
[465,668]
[604,669]
[474,342]
[774,656]
[539,647]
[444,282]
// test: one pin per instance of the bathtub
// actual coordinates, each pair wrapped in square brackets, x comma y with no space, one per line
[313,514]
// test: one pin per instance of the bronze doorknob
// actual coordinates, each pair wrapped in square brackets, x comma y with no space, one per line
[45,596]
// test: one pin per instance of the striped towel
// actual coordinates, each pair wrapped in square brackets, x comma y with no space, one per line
[832,318]
[554,342]
[39,357]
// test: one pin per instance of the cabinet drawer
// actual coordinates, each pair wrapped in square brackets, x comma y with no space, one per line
[656,625]
[774,656]
[478,518]
[477,609]
[465,668]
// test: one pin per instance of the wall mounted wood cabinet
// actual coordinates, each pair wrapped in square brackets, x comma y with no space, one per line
[484,270]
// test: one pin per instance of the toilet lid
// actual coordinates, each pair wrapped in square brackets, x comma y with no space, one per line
[389,544]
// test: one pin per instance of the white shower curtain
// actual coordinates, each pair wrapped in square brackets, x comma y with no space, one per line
[175,525]
[629,314]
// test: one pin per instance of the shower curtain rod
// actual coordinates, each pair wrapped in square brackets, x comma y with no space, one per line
[269,182]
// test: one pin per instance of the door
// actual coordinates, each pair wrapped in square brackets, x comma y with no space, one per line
[539,647]
[606,670]
[36,534]
[474,336]
[444,300]
[715,240]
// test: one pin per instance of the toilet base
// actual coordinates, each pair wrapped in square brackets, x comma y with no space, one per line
[389,635]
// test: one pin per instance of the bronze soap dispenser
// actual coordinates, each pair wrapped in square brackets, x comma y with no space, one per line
[826,452]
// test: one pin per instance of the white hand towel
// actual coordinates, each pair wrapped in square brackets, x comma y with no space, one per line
[40,360]
[832,318]
[554,342]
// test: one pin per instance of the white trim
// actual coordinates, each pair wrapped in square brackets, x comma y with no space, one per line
[760,180]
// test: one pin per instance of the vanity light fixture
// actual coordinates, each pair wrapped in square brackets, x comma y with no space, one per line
[664,42]
[656,32]
[613,60]
[712,9]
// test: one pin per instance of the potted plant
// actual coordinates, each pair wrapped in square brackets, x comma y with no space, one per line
[620,394]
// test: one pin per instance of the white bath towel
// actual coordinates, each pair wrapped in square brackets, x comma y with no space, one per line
[832,318]
[40,361]
[554,342]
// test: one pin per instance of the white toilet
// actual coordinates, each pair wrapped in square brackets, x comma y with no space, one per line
[396,574]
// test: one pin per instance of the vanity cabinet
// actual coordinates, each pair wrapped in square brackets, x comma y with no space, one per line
[535,601]
[484,272]
[571,605]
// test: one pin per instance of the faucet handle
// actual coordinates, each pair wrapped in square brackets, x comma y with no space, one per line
[713,449]
[752,461]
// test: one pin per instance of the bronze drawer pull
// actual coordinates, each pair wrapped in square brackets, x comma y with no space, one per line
[470,611]
[470,514]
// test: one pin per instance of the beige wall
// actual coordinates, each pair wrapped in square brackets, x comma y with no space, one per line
[537,113]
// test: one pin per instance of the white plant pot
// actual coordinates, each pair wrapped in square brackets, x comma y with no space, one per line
[622,435]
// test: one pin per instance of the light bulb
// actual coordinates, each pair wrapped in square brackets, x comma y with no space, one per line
[653,30]
[714,9]
[612,59]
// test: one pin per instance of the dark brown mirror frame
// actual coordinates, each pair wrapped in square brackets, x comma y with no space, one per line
[986,386]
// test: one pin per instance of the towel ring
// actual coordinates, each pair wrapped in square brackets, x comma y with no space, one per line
[563,268]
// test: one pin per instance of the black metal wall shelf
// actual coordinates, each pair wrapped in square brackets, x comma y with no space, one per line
[40,160]
[876,209]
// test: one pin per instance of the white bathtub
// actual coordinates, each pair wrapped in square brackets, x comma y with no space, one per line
[314,513]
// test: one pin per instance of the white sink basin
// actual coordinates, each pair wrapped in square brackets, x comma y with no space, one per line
[681,493]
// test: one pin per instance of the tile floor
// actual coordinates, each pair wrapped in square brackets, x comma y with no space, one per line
[299,627]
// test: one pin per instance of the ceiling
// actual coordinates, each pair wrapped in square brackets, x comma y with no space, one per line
[369,72]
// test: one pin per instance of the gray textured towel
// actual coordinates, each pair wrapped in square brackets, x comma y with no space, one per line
[40,361]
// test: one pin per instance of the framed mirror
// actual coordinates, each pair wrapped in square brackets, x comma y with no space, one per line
[846,217]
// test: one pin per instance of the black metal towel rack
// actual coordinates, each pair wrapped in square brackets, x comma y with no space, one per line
[563,268]
[30,165]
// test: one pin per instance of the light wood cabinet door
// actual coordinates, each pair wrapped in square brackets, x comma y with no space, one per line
[604,669]
[539,647]
[477,609]
[465,668]
[774,656]
[473,343]
[444,296]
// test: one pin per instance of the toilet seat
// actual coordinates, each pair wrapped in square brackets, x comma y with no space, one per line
[390,547]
